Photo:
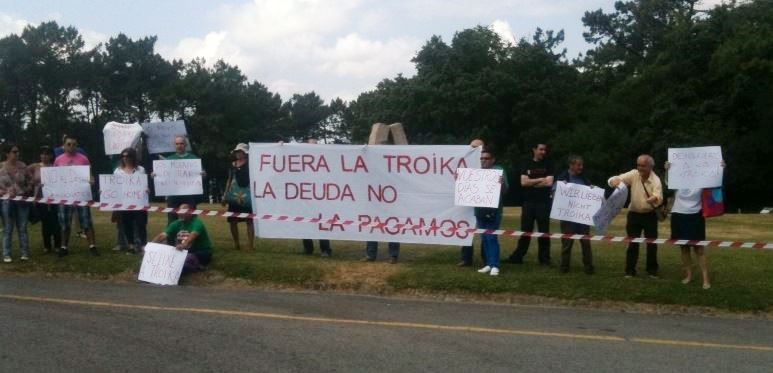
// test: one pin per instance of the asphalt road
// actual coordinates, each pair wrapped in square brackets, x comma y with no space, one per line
[55,325]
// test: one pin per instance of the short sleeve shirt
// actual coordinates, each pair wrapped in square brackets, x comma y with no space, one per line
[535,170]
[76,159]
[179,230]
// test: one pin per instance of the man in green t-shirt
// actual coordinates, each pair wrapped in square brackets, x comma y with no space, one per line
[188,233]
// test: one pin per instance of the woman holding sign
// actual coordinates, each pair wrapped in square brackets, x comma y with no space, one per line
[14,182]
[688,223]
[237,194]
[135,223]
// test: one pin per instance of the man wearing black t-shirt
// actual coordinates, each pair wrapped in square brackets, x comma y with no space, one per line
[536,183]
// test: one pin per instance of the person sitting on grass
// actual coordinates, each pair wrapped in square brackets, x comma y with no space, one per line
[188,233]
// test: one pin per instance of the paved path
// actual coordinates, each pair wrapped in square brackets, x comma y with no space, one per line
[68,325]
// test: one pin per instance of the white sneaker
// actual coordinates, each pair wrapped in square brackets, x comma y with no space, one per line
[7,259]
[495,271]
[24,258]
[485,269]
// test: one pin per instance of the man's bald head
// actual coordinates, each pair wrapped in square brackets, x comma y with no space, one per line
[476,143]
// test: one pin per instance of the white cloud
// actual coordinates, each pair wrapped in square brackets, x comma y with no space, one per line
[296,46]
[92,38]
[502,28]
[10,25]
[356,57]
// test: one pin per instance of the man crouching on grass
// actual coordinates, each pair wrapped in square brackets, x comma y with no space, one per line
[188,233]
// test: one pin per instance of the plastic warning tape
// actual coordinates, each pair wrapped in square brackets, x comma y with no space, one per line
[405,227]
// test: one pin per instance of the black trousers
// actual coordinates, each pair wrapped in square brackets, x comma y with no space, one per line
[636,224]
[324,246]
[531,212]
[49,221]
[135,227]
[566,245]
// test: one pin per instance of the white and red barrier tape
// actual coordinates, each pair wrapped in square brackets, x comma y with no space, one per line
[499,232]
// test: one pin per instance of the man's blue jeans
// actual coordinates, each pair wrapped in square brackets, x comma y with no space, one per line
[490,242]
[371,249]
[15,214]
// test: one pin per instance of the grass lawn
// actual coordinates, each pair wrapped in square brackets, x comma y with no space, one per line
[742,279]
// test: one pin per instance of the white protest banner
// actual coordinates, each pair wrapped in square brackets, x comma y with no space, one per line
[610,208]
[576,203]
[162,264]
[160,136]
[119,136]
[178,177]
[67,182]
[477,187]
[382,184]
[695,167]
[126,190]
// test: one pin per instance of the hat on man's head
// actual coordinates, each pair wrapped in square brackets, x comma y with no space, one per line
[243,147]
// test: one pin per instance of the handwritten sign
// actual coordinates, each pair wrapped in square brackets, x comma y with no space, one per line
[375,184]
[576,203]
[67,182]
[119,136]
[162,264]
[179,177]
[695,167]
[477,187]
[127,190]
[160,136]
[610,208]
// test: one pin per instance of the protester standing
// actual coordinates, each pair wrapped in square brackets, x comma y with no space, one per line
[575,175]
[134,222]
[181,152]
[48,212]
[237,194]
[688,223]
[308,244]
[536,182]
[14,181]
[71,157]
[646,195]
[467,251]
[490,218]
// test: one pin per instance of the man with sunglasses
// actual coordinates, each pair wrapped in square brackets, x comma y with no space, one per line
[71,157]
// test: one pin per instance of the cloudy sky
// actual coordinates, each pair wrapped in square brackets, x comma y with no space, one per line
[337,48]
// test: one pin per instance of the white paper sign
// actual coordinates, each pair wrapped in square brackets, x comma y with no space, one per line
[610,208]
[178,177]
[693,168]
[119,136]
[576,203]
[66,182]
[160,135]
[477,187]
[127,190]
[382,184]
[162,264]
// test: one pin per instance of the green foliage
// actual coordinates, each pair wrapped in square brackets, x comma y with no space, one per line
[662,74]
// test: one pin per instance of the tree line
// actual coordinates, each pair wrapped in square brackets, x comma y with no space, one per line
[660,73]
